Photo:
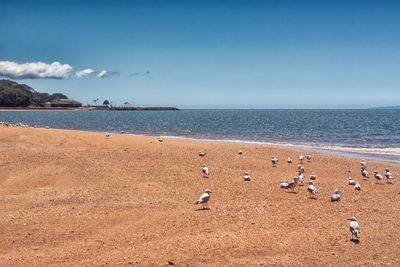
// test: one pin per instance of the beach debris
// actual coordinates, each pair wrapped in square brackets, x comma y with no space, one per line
[357,186]
[308,156]
[388,175]
[240,152]
[313,176]
[160,139]
[301,158]
[283,184]
[364,172]
[247,177]
[351,181]
[311,189]
[336,196]
[354,228]
[274,161]
[363,163]
[300,178]
[377,176]
[205,170]
[202,154]
[289,160]
[204,198]
[292,185]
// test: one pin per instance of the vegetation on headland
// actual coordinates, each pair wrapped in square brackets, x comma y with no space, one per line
[13,94]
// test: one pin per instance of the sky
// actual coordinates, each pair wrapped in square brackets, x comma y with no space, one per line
[206,54]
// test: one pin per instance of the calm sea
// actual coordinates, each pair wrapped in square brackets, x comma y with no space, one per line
[364,133]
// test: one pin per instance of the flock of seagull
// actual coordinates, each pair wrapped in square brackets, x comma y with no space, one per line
[299,180]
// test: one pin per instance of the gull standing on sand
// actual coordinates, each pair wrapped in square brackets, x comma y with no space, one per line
[363,163]
[357,186]
[311,189]
[289,160]
[205,170]
[240,152]
[351,181]
[293,184]
[388,175]
[284,184]
[274,160]
[364,172]
[107,135]
[246,177]
[313,176]
[301,178]
[160,139]
[202,154]
[336,196]
[354,228]
[378,177]
[308,156]
[204,198]
[301,158]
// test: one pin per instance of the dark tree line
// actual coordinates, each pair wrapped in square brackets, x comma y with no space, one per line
[13,94]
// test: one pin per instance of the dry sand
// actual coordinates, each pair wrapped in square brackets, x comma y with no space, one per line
[78,198]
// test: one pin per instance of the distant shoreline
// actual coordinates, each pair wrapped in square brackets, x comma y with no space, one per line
[87,108]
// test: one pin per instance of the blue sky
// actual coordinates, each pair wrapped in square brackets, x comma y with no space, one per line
[210,54]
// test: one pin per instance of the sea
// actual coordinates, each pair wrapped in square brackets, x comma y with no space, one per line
[364,133]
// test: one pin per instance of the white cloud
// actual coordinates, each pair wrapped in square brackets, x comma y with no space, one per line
[35,70]
[83,73]
[102,74]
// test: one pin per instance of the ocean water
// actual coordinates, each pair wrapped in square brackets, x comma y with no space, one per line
[365,133]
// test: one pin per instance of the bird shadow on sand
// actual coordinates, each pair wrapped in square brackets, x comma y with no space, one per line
[389,183]
[379,183]
[201,209]
[313,198]
[291,192]
[355,241]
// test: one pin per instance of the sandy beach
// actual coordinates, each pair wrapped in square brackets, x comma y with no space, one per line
[80,199]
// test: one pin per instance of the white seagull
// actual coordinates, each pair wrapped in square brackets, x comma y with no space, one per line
[311,189]
[357,186]
[301,158]
[246,177]
[363,163]
[107,135]
[283,184]
[240,152]
[388,175]
[205,170]
[313,176]
[274,160]
[336,196]
[160,139]
[378,176]
[301,178]
[364,172]
[354,228]
[289,160]
[204,198]
[351,181]
[308,156]
[202,154]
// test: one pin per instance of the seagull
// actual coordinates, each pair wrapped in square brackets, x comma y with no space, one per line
[205,170]
[364,172]
[204,198]
[357,186]
[107,135]
[293,183]
[388,175]
[308,156]
[160,139]
[240,152]
[122,132]
[351,181]
[283,184]
[378,176]
[354,228]
[335,196]
[301,158]
[363,163]
[202,154]
[246,177]
[301,178]
[311,189]
[274,161]
[313,176]
[289,160]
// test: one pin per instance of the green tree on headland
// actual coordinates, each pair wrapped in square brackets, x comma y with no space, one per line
[106,103]
[13,94]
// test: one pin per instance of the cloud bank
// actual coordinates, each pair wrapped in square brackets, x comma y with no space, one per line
[35,70]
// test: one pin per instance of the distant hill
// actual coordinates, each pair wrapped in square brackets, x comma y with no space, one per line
[387,107]
[13,94]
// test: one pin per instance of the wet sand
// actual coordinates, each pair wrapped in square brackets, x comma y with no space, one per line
[79,198]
